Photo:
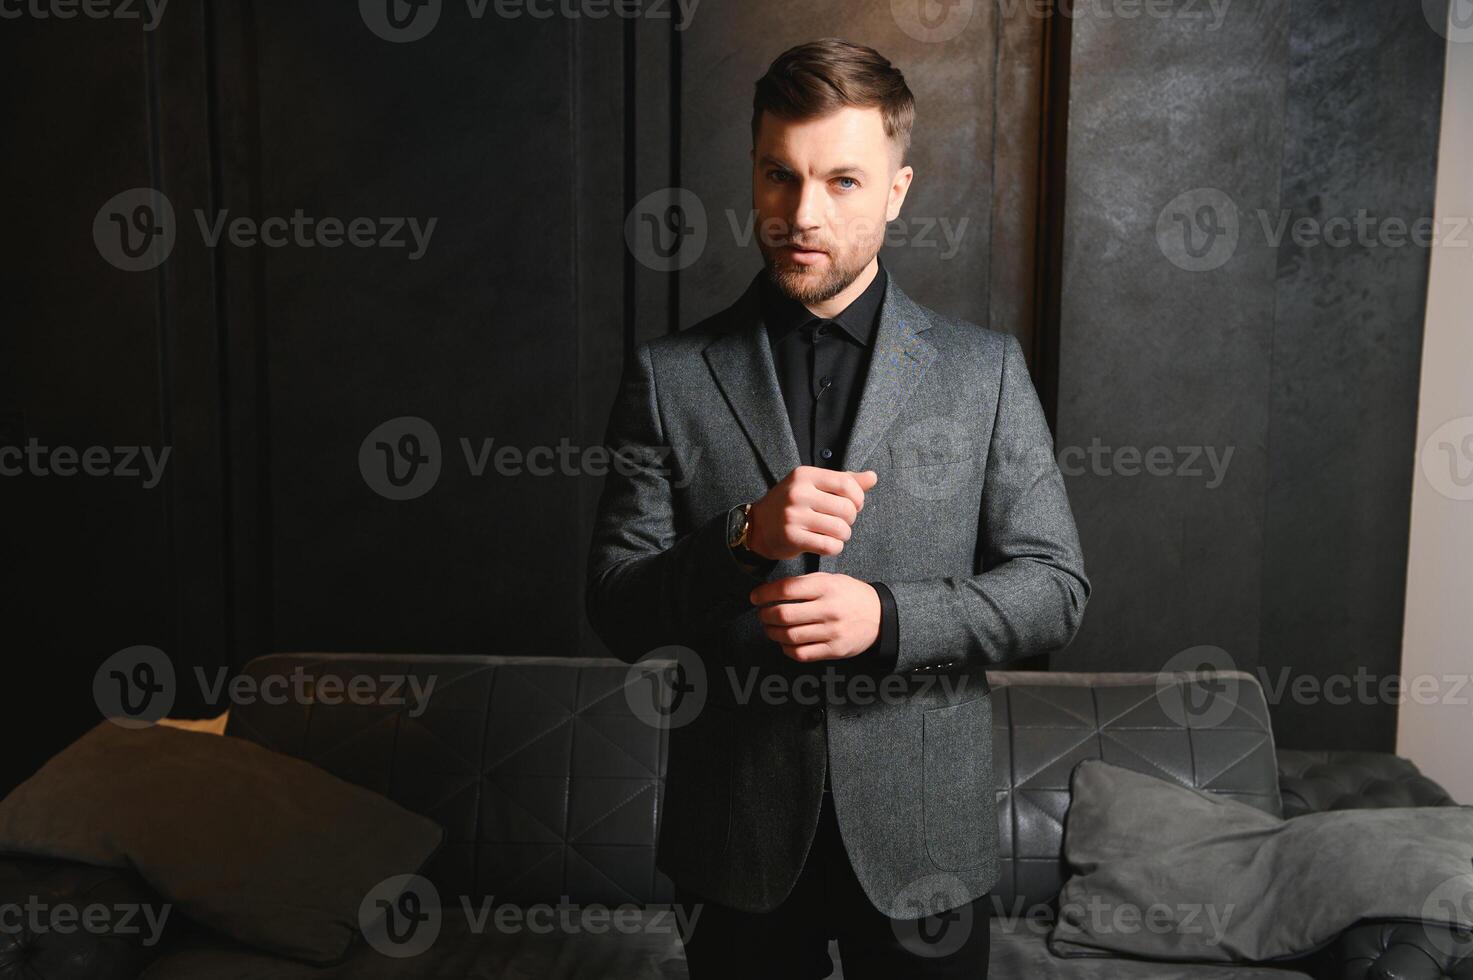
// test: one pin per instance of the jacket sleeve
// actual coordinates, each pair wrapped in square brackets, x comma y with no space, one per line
[649,586]
[1030,596]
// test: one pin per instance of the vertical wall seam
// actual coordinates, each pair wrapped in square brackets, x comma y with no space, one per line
[630,139]
[215,157]
[673,285]
[164,329]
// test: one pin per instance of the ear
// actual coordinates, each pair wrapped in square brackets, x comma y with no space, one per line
[899,188]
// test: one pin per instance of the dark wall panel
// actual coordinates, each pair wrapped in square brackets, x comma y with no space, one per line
[1189,322]
[469,127]
[1365,83]
[1155,352]
[88,357]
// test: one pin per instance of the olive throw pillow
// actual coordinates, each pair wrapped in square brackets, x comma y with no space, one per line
[259,846]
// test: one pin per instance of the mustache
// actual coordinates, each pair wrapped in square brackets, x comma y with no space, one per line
[805,246]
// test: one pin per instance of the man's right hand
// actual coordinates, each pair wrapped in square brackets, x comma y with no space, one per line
[811,510]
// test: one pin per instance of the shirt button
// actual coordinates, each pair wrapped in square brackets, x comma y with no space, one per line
[821,330]
[815,715]
[826,453]
[826,380]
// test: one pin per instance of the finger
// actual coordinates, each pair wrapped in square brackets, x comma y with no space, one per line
[826,524]
[818,544]
[862,482]
[793,613]
[785,589]
[797,635]
[841,483]
[835,505]
[807,652]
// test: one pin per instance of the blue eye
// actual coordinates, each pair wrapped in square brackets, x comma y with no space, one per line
[852,183]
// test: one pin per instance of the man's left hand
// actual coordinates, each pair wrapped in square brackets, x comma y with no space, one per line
[820,616]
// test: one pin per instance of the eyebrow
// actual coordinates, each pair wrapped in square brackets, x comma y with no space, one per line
[843,170]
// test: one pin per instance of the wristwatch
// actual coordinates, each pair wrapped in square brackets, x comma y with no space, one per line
[738,524]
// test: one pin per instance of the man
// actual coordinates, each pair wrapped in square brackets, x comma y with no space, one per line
[861,516]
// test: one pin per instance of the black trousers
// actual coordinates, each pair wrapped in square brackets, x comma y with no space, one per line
[791,942]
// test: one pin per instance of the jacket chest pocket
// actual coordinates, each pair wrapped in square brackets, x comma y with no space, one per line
[959,809]
[935,459]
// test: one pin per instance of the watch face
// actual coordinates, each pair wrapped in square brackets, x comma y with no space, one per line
[735,518]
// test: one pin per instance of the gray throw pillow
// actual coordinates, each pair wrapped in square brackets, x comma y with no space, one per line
[1164,871]
[261,847]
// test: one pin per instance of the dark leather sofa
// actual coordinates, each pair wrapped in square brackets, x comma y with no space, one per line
[548,786]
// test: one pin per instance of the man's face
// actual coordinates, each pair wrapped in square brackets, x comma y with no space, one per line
[823,190]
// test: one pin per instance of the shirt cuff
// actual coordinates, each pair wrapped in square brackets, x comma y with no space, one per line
[761,570]
[886,650]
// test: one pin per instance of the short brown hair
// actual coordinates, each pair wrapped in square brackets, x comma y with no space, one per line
[820,77]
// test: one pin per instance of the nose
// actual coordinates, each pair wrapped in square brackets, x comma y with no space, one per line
[811,207]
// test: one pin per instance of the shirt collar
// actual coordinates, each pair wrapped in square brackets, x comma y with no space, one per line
[860,319]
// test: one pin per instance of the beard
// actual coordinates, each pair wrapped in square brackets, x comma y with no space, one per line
[810,284]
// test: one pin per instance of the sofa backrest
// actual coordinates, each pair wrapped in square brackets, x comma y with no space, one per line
[1207,730]
[549,785]
[545,781]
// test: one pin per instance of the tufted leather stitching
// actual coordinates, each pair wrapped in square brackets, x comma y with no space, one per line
[1315,781]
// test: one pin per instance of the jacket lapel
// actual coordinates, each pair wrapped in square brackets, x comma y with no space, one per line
[900,356]
[741,361]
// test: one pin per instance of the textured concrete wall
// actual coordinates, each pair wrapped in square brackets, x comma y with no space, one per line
[1223,297]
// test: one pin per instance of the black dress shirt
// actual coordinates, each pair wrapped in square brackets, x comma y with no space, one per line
[821,368]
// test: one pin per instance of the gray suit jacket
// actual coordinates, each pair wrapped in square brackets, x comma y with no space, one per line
[968,525]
